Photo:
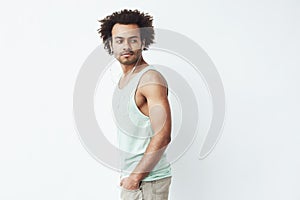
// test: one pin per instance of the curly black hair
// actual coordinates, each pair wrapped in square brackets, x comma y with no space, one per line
[143,20]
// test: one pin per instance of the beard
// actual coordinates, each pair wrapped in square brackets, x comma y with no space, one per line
[131,58]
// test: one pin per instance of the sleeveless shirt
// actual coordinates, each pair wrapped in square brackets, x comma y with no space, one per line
[134,130]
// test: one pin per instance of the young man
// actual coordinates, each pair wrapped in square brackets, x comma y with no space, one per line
[141,107]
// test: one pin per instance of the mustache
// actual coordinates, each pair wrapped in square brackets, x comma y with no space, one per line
[127,52]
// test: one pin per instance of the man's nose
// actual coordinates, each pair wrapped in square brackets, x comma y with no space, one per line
[126,45]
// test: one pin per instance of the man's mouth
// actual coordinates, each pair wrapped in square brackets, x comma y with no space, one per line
[127,54]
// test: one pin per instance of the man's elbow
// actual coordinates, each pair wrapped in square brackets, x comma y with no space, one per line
[167,140]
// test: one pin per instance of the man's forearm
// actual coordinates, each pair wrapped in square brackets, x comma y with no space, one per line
[152,155]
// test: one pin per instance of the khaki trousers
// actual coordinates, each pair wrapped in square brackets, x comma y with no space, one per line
[149,190]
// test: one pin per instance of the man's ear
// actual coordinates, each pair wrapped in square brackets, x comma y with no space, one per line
[143,45]
[111,46]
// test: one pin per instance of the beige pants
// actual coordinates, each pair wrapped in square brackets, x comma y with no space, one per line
[149,190]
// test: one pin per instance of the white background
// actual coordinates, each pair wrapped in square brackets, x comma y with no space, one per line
[254,45]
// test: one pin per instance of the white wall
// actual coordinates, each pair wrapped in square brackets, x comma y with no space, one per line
[254,45]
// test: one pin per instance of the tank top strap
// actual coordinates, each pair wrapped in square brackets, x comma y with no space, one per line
[141,73]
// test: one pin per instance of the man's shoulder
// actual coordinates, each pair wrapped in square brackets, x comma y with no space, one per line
[152,75]
[153,83]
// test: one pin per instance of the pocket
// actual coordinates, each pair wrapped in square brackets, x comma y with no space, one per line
[131,194]
[136,190]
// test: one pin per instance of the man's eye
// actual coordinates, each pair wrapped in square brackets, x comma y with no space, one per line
[118,41]
[133,41]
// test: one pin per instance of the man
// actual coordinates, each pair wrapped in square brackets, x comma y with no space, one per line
[141,107]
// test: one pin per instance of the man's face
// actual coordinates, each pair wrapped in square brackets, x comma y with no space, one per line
[126,43]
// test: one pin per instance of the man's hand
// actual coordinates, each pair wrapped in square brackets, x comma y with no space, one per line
[129,183]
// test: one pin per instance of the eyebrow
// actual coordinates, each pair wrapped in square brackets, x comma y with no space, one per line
[118,37]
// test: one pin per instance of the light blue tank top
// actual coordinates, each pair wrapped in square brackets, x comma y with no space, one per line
[134,130]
